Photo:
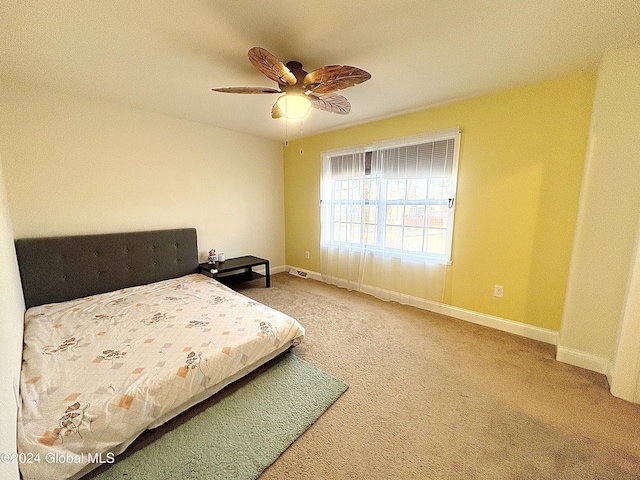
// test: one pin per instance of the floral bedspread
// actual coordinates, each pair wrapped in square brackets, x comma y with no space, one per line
[97,371]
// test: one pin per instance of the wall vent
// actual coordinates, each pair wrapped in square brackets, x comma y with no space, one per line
[298,273]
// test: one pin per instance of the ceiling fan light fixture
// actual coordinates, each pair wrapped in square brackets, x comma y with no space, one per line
[294,106]
[301,90]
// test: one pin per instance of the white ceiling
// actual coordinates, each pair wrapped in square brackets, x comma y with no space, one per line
[165,56]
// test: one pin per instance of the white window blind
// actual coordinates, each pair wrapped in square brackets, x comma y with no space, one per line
[396,197]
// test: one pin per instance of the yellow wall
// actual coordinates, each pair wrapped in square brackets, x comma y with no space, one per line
[521,160]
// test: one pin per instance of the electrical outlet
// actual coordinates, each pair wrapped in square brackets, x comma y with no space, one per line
[306,254]
[498,291]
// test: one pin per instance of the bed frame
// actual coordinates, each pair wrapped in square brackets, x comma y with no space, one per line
[56,269]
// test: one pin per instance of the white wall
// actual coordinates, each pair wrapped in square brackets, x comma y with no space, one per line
[75,165]
[608,217]
[625,375]
[11,322]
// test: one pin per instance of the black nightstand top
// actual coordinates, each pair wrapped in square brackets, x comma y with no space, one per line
[245,263]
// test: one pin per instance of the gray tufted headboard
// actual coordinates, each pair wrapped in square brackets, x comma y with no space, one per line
[56,269]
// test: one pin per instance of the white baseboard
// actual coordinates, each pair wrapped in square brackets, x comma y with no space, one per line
[279,269]
[511,326]
[582,359]
[498,323]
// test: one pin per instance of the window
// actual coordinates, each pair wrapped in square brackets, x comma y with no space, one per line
[396,197]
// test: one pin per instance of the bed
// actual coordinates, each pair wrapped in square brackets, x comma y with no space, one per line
[121,335]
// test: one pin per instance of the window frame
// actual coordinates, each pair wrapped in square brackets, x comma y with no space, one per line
[382,223]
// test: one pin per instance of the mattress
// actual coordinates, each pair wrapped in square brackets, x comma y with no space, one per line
[98,371]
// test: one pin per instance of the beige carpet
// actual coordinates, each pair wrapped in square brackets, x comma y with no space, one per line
[435,397]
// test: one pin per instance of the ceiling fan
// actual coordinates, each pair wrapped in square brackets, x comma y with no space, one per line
[301,90]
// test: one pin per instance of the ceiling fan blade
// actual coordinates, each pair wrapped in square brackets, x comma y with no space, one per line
[334,77]
[330,102]
[246,90]
[276,112]
[269,64]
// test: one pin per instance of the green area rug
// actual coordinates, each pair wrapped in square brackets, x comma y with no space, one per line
[242,434]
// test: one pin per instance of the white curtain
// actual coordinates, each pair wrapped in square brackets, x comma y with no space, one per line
[378,236]
[342,263]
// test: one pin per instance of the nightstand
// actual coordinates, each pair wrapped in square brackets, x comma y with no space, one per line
[237,270]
